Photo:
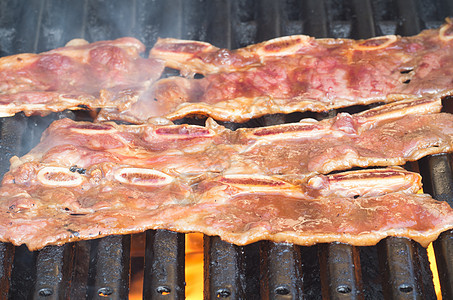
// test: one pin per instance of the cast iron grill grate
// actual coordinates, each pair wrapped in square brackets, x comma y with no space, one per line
[395,269]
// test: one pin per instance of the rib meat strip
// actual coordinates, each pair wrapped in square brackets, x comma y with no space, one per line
[88,180]
[331,208]
[296,73]
[79,75]
[388,135]
[55,205]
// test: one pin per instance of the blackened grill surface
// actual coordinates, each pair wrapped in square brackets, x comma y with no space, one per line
[396,268]
[164,265]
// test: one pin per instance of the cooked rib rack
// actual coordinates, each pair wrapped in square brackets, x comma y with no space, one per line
[395,268]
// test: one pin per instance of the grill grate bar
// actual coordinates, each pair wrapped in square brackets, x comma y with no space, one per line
[340,263]
[12,131]
[26,40]
[281,271]
[443,249]
[397,259]
[219,31]
[223,269]
[340,271]
[397,255]
[81,270]
[106,20]
[438,181]
[409,17]
[58,24]
[363,20]
[6,261]
[53,272]
[23,273]
[164,265]
[170,18]
[268,20]
[111,261]
[315,18]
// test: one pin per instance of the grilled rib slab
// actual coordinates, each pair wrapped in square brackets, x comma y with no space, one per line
[88,180]
[77,76]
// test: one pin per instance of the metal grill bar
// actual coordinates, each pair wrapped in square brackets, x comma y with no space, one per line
[170,18]
[268,20]
[315,26]
[6,262]
[281,271]
[397,255]
[340,271]
[12,131]
[164,265]
[443,248]
[111,267]
[59,23]
[218,31]
[23,274]
[106,20]
[409,16]
[223,271]
[9,18]
[26,40]
[340,263]
[81,270]
[399,280]
[54,266]
[363,25]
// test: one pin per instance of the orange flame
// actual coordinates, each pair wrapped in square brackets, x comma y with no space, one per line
[194,266]
[433,266]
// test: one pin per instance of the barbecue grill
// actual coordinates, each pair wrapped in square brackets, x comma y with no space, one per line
[396,268]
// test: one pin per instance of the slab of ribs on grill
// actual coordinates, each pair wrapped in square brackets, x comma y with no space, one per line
[86,180]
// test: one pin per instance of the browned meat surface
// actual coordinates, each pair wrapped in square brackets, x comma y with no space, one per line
[296,73]
[384,136]
[178,150]
[54,205]
[100,74]
[88,180]
[362,221]
[389,135]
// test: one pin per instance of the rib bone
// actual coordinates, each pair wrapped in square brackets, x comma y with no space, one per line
[59,176]
[142,177]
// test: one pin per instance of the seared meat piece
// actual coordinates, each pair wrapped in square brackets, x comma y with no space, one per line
[296,73]
[78,76]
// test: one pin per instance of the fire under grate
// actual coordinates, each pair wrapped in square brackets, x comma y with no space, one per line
[396,268]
